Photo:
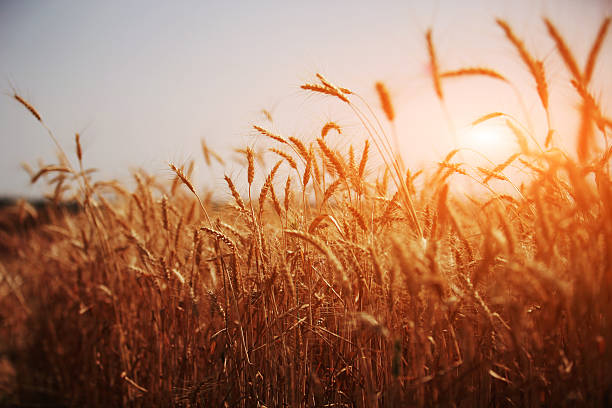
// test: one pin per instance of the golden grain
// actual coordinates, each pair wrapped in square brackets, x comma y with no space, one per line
[332,299]
[329,126]
[29,107]
[593,54]
[433,61]
[385,101]
[474,71]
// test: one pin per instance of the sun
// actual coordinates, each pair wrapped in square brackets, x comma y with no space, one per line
[494,141]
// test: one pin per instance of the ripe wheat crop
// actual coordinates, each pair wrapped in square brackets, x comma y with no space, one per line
[329,280]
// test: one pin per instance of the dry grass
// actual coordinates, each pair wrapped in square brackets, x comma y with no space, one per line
[358,289]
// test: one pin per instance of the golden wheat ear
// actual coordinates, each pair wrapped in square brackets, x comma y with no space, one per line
[433,60]
[28,106]
[474,71]
[385,101]
[269,134]
[564,51]
[535,66]
[329,126]
[187,182]
[594,53]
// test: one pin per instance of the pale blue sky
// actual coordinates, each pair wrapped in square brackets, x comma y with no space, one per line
[143,81]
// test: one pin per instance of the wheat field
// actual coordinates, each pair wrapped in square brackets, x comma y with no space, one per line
[339,276]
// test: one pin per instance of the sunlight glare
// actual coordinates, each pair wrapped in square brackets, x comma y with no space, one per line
[494,141]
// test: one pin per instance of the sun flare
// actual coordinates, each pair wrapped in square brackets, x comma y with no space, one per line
[494,141]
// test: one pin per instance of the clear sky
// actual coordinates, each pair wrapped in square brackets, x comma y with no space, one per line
[144,81]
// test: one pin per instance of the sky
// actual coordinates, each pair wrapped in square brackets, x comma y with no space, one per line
[144,81]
